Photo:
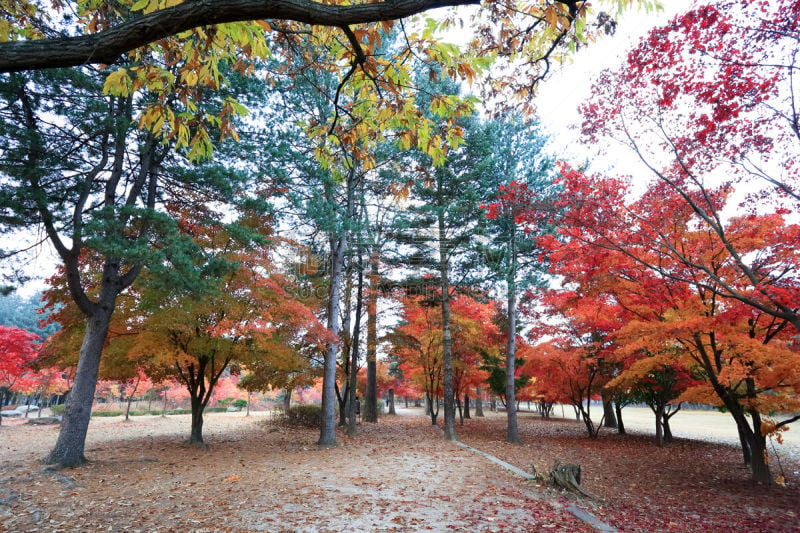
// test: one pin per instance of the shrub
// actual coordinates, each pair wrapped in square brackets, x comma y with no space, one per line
[107,413]
[305,415]
[240,403]
[58,410]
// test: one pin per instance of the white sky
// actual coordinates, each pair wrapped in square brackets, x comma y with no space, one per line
[560,96]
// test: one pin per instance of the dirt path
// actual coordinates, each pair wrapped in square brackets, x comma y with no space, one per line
[398,475]
[395,476]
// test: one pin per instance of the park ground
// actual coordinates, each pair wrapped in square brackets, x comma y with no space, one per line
[397,475]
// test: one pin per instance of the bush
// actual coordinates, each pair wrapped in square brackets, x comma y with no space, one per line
[178,411]
[107,413]
[240,403]
[58,410]
[305,415]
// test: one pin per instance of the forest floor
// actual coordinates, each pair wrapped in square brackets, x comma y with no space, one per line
[397,475]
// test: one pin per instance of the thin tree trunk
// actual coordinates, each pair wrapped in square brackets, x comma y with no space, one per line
[620,423]
[130,398]
[512,430]
[371,394]
[447,336]
[479,402]
[344,398]
[69,448]
[341,397]
[466,406]
[391,402]
[354,347]
[433,413]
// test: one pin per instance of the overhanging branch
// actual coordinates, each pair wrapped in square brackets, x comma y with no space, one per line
[107,46]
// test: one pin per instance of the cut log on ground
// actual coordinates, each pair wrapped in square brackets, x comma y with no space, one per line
[568,476]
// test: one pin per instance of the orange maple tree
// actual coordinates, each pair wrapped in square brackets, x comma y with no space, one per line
[668,309]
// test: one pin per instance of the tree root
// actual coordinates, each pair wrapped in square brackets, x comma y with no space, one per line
[66,480]
[8,497]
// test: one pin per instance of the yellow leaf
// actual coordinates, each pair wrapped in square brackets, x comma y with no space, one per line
[141,5]
[118,83]
[189,77]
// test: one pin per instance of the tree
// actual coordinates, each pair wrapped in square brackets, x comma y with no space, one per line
[18,348]
[656,380]
[662,270]
[244,314]
[440,222]
[25,313]
[418,347]
[417,344]
[569,373]
[524,187]
[711,98]
[95,189]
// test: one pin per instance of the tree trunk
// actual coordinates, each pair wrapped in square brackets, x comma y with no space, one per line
[327,434]
[130,398]
[69,448]
[512,430]
[460,410]
[287,399]
[758,445]
[620,423]
[466,406]
[479,402]
[667,429]
[196,435]
[342,398]
[586,416]
[760,462]
[658,409]
[447,338]
[391,402]
[433,413]
[371,394]
[608,413]
[747,456]
[354,347]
